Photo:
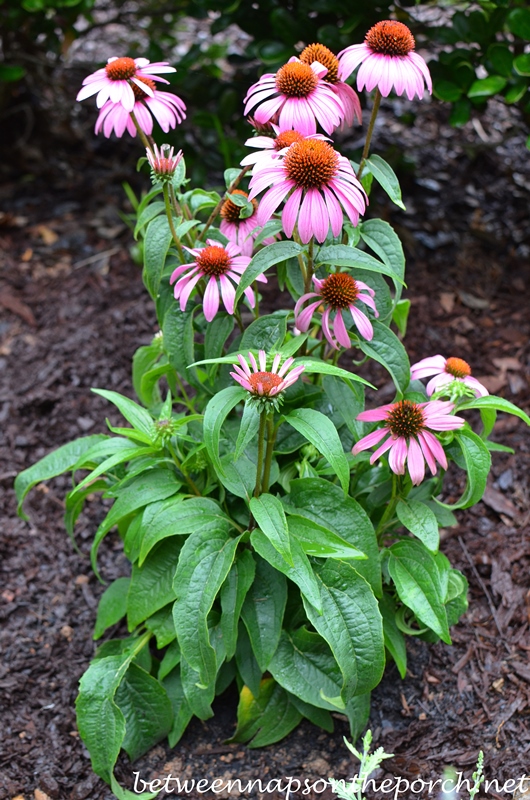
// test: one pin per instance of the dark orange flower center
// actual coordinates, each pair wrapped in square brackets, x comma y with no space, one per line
[296,80]
[312,163]
[121,69]
[339,290]
[230,211]
[286,139]
[390,38]
[457,367]
[268,381]
[214,260]
[324,56]
[138,93]
[405,419]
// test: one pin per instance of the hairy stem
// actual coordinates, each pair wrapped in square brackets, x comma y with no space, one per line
[147,142]
[366,151]
[235,183]
[169,216]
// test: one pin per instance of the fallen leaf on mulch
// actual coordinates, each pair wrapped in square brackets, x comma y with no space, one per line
[447,301]
[47,234]
[472,301]
[493,382]
[12,303]
[498,502]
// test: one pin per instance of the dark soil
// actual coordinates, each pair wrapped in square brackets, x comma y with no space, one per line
[73,312]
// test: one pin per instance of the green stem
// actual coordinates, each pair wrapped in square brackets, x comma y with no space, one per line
[181,211]
[149,145]
[366,151]
[191,483]
[391,507]
[261,438]
[169,216]
[310,266]
[237,315]
[235,183]
[185,396]
[272,431]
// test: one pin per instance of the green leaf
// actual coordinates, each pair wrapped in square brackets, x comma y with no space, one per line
[352,626]
[494,403]
[182,712]
[386,348]
[478,463]
[139,417]
[247,665]
[143,360]
[447,91]
[147,710]
[161,625]
[348,400]
[304,665]
[239,477]
[521,64]
[501,58]
[384,241]
[199,699]
[419,520]
[314,366]
[147,487]
[265,333]
[125,794]
[270,516]
[324,503]
[121,457]
[112,606]
[151,585]
[267,718]
[387,178]
[230,176]
[177,516]
[318,716]
[204,563]
[263,611]
[55,463]
[158,238]
[417,579]
[264,260]
[149,213]
[342,255]
[233,593]
[9,73]
[486,87]
[179,345]
[301,572]
[215,414]
[320,542]
[321,432]
[394,639]
[217,332]
[400,315]
[519,22]
[248,429]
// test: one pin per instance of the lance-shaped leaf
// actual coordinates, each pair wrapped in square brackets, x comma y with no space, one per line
[383,240]
[266,718]
[342,255]
[321,432]
[139,417]
[203,565]
[477,459]
[318,367]
[112,606]
[491,402]
[270,516]
[182,712]
[146,707]
[386,348]
[417,579]
[352,626]
[233,593]
[316,540]
[151,586]
[394,639]
[420,520]
[386,177]
[263,611]
[158,238]
[248,429]
[264,260]
[216,412]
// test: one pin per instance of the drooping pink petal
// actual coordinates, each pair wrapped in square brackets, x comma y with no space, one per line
[415,462]
[290,211]
[363,323]
[211,299]
[480,390]
[436,448]
[370,440]
[376,414]
[340,330]
[228,293]
[398,455]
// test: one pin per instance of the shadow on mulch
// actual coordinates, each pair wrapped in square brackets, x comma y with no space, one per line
[74,311]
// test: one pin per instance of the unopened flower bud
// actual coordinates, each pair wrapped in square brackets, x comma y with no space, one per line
[163,163]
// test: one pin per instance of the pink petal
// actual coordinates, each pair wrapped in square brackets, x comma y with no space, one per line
[363,323]
[340,330]
[290,211]
[415,462]
[369,441]
[211,299]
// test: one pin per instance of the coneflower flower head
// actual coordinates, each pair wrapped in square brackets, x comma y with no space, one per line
[407,428]
[115,82]
[449,373]
[323,55]
[238,229]
[265,386]
[387,61]
[296,97]
[167,108]
[162,162]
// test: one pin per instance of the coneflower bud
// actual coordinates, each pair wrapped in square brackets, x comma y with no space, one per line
[163,163]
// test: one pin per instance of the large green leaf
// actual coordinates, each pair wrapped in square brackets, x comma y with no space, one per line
[267,718]
[112,606]
[383,240]
[394,639]
[182,712]
[151,586]
[386,177]
[270,516]
[348,399]
[248,429]
[265,333]
[263,611]
[264,259]
[386,348]
[233,593]
[316,540]
[321,432]
[198,698]
[204,563]
[216,412]
[55,463]
[324,503]
[352,626]
[177,328]
[419,520]
[158,238]
[493,403]
[342,255]
[477,460]
[319,367]
[301,571]
[417,579]
[146,707]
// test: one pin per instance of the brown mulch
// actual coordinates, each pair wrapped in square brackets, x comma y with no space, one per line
[73,310]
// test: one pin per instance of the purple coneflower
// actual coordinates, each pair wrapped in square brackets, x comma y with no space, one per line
[445,371]
[299,96]
[222,267]
[240,231]
[338,292]
[388,61]
[406,426]
[322,181]
[350,101]
[115,81]
[273,147]
[167,108]
[261,383]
